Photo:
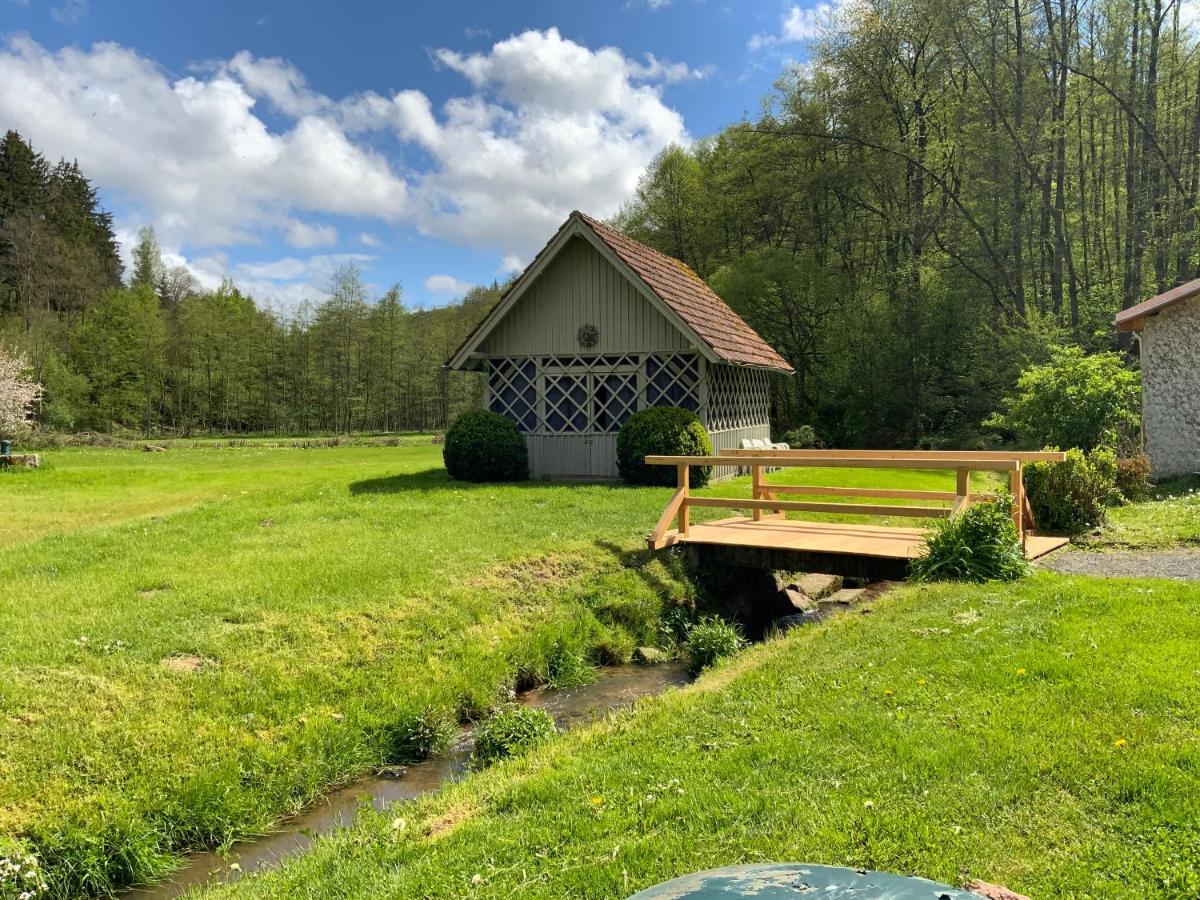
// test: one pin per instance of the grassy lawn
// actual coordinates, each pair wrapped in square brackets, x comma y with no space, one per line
[1172,519]
[1043,735]
[199,641]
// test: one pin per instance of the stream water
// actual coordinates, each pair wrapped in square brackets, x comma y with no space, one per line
[613,689]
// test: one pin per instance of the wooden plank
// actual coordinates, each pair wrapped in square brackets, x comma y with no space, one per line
[682,481]
[656,539]
[830,537]
[756,489]
[1016,485]
[786,462]
[831,491]
[950,455]
[962,487]
[930,512]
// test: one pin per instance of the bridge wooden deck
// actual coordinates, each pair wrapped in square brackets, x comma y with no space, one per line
[768,539]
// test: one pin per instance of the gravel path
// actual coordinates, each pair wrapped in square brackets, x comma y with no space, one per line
[1181,565]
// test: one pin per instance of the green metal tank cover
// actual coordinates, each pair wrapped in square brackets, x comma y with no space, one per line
[795,880]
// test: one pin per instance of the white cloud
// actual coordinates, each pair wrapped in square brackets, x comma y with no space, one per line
[541,125]
[190,154]
[367,239]
[446,284]
[511,264]
[798,24]
[69,11]
[303,234]
[1189,13]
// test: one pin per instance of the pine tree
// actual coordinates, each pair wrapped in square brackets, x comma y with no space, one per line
[147,260]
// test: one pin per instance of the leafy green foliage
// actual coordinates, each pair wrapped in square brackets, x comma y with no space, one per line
[485,446]
[802,438]
[1075,400]
[511,732]
[980,544]
[422,733]
[1133,477]
[1072,497]
[710,639]
[662,431]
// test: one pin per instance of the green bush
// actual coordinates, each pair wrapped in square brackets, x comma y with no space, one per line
[1133,477]
[980,544]
[1075,400]
[802,438]
[710,639]
[1071,497]
[485,446]
[661,431]
[509,732]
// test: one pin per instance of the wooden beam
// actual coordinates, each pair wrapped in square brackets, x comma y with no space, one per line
[949,455]
[790,462]
[962,488]
[929,512]
[831,491]
[682,482]
[657,538]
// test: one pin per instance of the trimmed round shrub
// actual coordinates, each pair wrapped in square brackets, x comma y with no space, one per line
[661,431]
[1072,497]
[980,544]
[710,639]
[511,731]
[485,446]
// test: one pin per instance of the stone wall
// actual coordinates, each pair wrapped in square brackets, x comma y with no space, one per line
[1171,389]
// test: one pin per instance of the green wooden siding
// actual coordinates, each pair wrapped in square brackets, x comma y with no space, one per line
[580,287]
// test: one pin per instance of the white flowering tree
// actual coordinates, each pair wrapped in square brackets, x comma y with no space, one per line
[18,394]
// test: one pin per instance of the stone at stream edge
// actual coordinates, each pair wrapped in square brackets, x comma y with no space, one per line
[649,656]
[816,585]
[845,596]
[799,600]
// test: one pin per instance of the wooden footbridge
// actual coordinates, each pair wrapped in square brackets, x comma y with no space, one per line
[768,539]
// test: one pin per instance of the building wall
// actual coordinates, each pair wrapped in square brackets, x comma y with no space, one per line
[580,287]
[1171,389]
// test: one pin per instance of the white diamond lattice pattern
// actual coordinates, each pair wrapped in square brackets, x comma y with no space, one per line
[673,379]
[737,398]
[513,388]
[566,404]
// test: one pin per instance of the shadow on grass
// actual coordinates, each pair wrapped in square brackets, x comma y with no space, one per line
[437,479]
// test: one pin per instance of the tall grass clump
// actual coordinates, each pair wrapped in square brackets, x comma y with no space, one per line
[710,639]
[510,732]
[980,544]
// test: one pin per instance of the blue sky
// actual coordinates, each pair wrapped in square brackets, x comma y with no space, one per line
[434,144]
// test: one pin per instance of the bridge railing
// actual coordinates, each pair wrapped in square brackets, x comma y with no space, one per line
[765,501]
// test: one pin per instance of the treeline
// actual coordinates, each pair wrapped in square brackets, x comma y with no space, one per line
[160,355]
[947,192]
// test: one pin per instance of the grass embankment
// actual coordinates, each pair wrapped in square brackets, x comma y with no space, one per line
[1041,735]
[199,641]
[1172,519]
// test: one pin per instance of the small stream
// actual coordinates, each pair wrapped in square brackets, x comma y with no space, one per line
[613,689]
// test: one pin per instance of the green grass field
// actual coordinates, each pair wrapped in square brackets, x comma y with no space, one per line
[200,641]
[1042,735]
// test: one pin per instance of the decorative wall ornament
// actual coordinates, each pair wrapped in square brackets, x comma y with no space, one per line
[588,336]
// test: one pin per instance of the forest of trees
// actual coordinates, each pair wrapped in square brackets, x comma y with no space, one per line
[949,190]
[157,354]
[945,194]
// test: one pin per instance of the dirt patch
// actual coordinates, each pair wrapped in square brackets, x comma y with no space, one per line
[153,590]
[187,662]
[1179,565]
[449,820]
[536,571]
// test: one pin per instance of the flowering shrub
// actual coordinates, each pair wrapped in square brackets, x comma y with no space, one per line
[17,394]
[21,877]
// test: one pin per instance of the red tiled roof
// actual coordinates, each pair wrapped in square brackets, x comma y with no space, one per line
[1134,318]
[686,294]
